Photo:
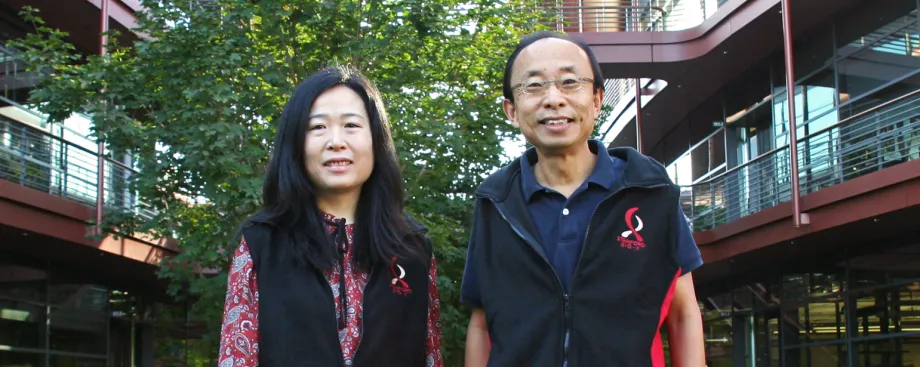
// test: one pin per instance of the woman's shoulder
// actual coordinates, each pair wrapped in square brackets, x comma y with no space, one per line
[418,231]
[414,225]
[256,234]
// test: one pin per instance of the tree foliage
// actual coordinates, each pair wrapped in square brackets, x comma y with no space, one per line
[194,103]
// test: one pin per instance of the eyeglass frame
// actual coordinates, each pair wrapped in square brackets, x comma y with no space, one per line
[545,84]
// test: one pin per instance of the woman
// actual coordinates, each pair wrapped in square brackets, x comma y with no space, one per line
[332,205]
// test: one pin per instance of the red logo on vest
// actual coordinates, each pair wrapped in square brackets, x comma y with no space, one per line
[398,284]
[625,241]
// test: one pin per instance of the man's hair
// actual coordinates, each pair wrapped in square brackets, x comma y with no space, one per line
[530,39]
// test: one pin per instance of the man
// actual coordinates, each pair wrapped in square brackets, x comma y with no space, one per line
[578,255]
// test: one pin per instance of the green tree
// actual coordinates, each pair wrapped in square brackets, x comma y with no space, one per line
[195,101]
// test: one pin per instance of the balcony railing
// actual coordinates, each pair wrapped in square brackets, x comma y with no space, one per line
[876,138]
[40,160]
[625,16]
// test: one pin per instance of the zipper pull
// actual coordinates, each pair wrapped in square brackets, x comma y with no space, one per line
[566,303]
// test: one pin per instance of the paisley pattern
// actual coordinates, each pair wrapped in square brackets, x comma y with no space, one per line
[239,342]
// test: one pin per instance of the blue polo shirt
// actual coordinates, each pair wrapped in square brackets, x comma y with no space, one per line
[562,222]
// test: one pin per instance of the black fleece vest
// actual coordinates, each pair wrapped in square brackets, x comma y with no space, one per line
[622,285]
[297,316]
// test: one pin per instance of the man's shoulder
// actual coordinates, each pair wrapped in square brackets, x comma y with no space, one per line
[498,183]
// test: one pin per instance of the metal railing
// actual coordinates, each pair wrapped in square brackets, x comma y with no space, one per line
[616,89]
[37,159]
[872,140]
[14,79]
[610,16]
[621,16]
[605,18]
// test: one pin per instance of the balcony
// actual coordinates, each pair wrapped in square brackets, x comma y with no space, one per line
[61,162]
[871,140]
[601,19]
[48,192]
[581,16]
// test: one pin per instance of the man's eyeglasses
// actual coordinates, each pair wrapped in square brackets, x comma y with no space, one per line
[538,88]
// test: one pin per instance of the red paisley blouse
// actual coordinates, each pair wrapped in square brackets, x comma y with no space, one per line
[239,342]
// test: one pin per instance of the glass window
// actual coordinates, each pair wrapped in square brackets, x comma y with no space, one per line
[21,280]
[21,359]
[885,53]
[78,320]
[719,343]
[74,361]
[700,160]
[22,324]
[903,351]
[129,305]
[74,289]
[812,52]
[818,356]
[78,330]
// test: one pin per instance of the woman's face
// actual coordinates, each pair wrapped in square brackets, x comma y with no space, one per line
[338,149]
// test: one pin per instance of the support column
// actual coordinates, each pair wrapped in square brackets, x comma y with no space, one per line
[100,147]
[639,115]
[790,103]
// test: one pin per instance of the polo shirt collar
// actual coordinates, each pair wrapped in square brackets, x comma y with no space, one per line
[604,173]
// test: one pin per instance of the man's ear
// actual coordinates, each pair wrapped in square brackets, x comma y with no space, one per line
[508,106]
[598,102]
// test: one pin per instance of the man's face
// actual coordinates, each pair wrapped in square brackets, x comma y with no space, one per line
[554,117]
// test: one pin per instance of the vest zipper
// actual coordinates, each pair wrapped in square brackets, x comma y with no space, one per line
[585,243]
[363,334]
[565,296]
[335,312]
[567,306]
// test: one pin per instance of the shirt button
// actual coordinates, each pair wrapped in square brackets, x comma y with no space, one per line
[565,211]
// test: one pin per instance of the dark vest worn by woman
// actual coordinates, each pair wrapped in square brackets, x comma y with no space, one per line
[297,315]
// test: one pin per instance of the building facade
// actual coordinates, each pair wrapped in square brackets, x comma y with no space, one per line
[67,298]
[843,288]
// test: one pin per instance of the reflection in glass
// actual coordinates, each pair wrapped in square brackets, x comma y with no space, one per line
[22,324]
[72,361]
[719,346]
[82,296]
[21,282]
[21,359]
[887,53]
[78,330]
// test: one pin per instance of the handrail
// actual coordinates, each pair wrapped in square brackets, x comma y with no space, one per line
[735,168]
[70,143]
[868,45]
[627,17]
[40,160]
[774,150]
[25,109]
[872,140]
[708,174]
[860,114]
[47,165]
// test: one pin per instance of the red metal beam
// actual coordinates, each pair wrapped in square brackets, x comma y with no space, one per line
[629,49]
[32,210]
[100,146]
[73,231]
[882,216]
[639,114]
[891,189]
[790,105]
[119,11]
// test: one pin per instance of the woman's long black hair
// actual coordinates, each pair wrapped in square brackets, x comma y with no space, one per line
[289,202]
